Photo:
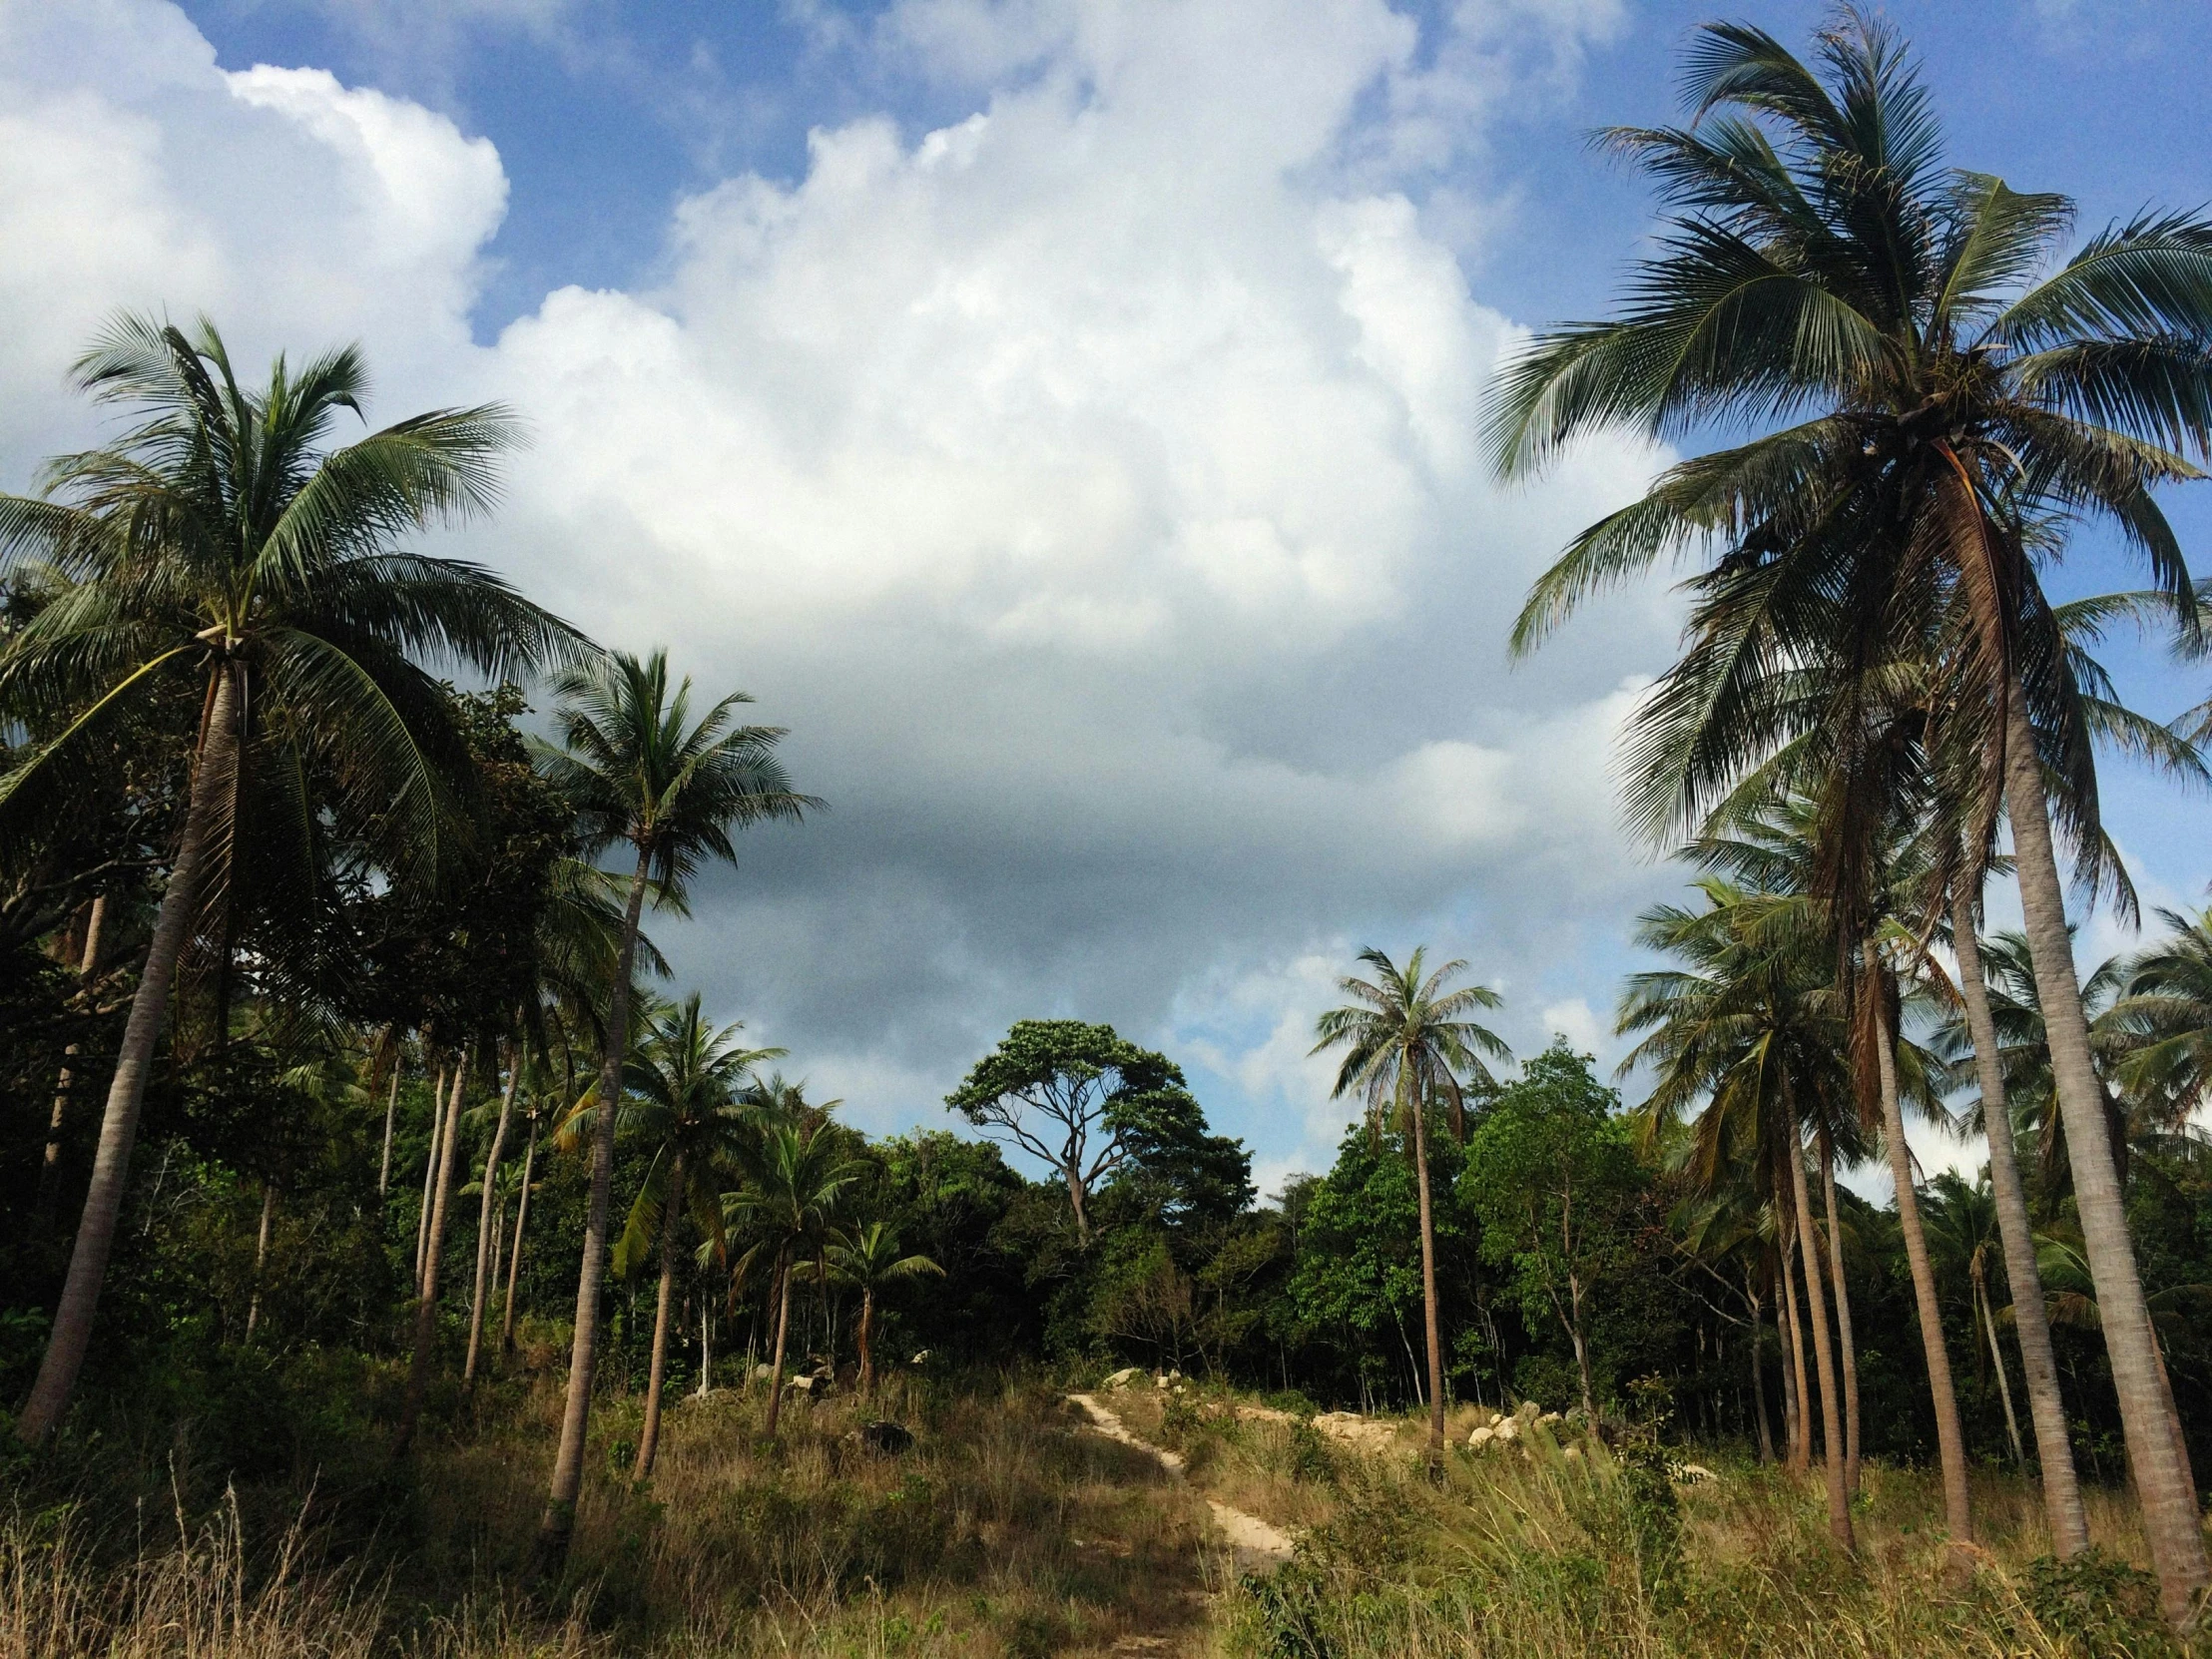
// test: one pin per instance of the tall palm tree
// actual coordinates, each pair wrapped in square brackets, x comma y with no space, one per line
[1823,266]
[1752,1028]
[795,1176]
[681,1097]
[641,772]
[1409,1043]
[220,552]
[868,1260]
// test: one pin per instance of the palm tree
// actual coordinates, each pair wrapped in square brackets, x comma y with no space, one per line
[681,1097]
[1822,264]
[867,1259]
[1408,1041]
[1962,1223]
[640,770]
[793,1177]
[1752,1026]
[219,555]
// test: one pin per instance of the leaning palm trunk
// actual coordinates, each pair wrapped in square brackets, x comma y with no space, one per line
[391,1110]
[485,1257]
[514,1263]
[426,1296]
[1816,1306]
[1429,1302]
[430,1171]
[559,1520]
[648,1439]
[1997,1359]
[1951,1441]
[1846,1340]
[111,1168]
[2069,1527]
[2156,1453]
[782,1327]
[260,1257]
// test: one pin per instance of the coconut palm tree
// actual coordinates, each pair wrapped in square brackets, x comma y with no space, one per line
[222,554]
[1823,267]
[1751,1028]
[642,772]
[1409,1042]
[793,1177]
[867,1259]
[682,1097]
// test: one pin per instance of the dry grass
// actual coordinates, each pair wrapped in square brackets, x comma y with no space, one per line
[1548,1554]
[1006,1530]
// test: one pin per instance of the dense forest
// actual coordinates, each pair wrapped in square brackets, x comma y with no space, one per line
[350,1116]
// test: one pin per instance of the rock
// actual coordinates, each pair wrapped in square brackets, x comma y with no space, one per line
[1481,1438]
[1123,1377]
[1690,1474]
[921,1359]
[763,1371]
[889,1438]
[802,1384]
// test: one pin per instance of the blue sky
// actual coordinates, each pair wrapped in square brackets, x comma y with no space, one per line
[1058,413]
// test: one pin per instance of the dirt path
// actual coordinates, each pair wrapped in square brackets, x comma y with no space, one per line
[1253,1543]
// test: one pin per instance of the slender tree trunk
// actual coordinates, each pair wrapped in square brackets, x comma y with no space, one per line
[706,1346]
[392,1108]
[1996,1358]
[1951,1441]
[426,1296]
[1847,1340]
[559,1521]
[430,1171]
[213,775]
[2062,1511]
[1428,1292]
[485,1269]
[514,1264]
[1758,1383]
[868,1340]
[1796,1385]
[2156,1453]
[782,1327]
[1075,1203]
[1832,1402]
[648,1439]
[260,1257]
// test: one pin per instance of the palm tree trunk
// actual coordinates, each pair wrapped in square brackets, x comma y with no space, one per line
[485,1258]
[648,1439]
[430,1171]
[868,1341]
[1796,1388]
[391,1109]
[782,1327]
[1816,1305]
[427,1294]
[213,777]
[1428,1292]
[260,1257]
[1757,1381]
[706,1346]
[1996,1358]
[1951,1441]
[559,1520]
[1847,1341]
[2156,1453]
[2062,1511]
[514,1264]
